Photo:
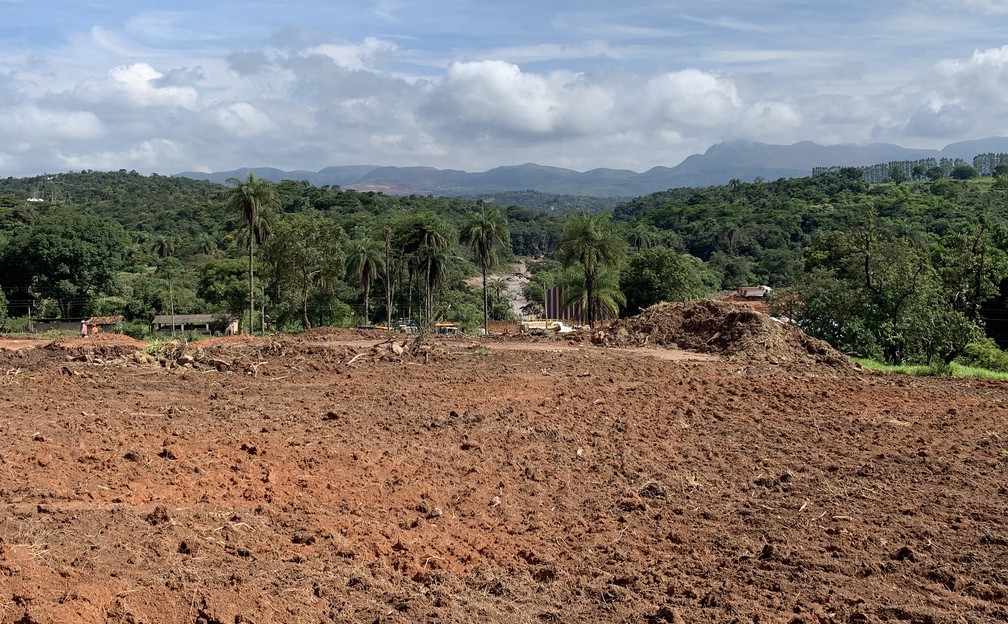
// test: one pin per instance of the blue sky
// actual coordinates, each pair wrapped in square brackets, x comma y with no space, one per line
[212,86]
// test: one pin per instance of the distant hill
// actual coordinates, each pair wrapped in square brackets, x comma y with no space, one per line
[745,160]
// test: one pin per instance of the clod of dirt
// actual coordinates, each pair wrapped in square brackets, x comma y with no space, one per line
[158,516]
[727,329]
[905,554]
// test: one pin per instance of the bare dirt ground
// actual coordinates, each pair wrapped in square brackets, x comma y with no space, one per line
[323,478]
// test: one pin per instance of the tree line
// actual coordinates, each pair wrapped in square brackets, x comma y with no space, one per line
[909,270]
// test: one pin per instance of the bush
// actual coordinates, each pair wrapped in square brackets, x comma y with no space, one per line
[136,329]
[984,354]
[14,325]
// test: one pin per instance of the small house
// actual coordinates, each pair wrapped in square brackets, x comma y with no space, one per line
[205,323]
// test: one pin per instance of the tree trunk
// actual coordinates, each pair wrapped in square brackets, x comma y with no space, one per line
[251,289]
[367,307]
[486,305]
[305,322]
[388,277]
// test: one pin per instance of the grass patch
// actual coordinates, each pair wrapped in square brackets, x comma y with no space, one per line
[952,370]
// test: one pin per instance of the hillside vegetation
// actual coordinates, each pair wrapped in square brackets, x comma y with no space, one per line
[899,270]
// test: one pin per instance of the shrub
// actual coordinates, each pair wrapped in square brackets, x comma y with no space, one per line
[136,329]
[984,354]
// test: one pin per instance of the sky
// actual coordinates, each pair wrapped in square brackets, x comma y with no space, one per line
[456,84]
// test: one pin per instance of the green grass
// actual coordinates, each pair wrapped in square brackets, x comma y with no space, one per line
[953,370]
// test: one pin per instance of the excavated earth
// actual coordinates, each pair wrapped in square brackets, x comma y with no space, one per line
[337,476]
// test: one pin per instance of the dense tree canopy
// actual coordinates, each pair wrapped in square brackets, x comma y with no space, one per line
[660,274]
[71,258]
[898,261]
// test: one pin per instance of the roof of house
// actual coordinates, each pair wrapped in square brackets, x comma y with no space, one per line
[103,320]
[189,319]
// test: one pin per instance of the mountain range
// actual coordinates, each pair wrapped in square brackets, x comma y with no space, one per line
[744,160]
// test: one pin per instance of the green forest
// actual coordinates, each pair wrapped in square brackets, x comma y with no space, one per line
[908,269]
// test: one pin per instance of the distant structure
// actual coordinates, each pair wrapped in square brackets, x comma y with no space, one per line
[575,314]
[207,323]
[754,293]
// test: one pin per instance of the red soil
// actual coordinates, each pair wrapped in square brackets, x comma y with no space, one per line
[330,478]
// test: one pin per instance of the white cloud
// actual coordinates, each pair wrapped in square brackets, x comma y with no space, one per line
[364,56]
[693,98]
[145,155]
[978,82]
[32,125]
[499,95]
[244,120]
[137,85]
[408,83]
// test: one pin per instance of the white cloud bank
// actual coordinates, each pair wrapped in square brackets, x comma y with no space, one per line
[318,103]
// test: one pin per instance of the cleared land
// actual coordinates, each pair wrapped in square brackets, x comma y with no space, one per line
[327,477]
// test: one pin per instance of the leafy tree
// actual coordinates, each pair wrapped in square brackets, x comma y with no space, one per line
[304,252]
[424,241]
[971,266]
[68,257]
[485,231]
[251,197]
[962,171]
[221,283]
[897,174]
[590,245]
[875,292]
[365,261]
[660,274]
[147,296]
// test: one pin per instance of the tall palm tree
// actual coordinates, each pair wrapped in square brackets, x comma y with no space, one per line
[485,231]
[430,238]
[365,261]
[607,294]
[251,197]
[590,243]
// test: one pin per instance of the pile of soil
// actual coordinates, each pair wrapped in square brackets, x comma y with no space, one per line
[727,329]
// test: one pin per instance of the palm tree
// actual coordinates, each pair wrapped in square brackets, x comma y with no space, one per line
[641,237]
[426,241]
[163,246]
[485,231]
[251,197]
[607,294]
[590,243]
[500,286]
[365,260]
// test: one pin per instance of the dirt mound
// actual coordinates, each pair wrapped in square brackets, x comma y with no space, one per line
[722,328]
[338,333]
[104,346]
